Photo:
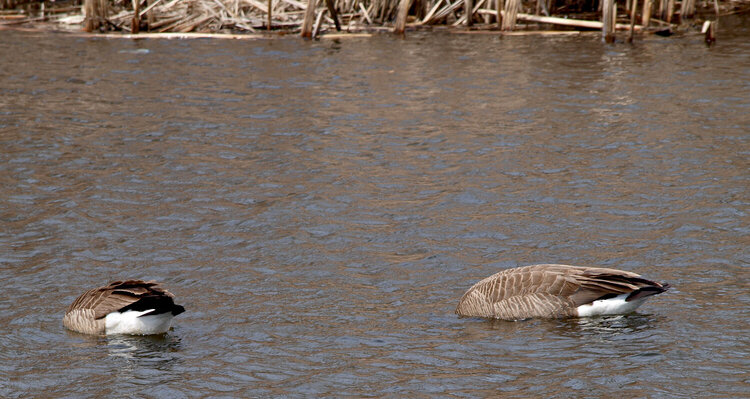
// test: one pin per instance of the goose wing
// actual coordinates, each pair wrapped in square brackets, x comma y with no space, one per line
[549,291]
[521,293]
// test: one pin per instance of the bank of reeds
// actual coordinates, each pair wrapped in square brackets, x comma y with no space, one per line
[310,17]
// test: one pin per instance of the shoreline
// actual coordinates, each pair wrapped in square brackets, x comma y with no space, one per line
[71,20]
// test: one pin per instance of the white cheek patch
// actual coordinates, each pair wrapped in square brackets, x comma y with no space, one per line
[616,305]
[133,322]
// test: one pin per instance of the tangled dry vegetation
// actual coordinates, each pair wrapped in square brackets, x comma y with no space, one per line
[238,16]
[241,15]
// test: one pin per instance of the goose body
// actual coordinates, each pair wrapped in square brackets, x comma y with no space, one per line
[123,307]
[557,291]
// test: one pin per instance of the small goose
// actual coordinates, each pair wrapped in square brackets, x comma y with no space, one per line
[123,307]
[557,291]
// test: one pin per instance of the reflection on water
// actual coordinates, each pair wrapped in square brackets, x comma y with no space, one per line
[608,327]
[150,361]
[320,208]
[151,348]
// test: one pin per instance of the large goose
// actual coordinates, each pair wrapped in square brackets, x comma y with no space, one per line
[556,291]
[123,307]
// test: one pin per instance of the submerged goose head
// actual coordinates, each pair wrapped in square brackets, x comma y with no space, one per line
[123,307]
[556,291]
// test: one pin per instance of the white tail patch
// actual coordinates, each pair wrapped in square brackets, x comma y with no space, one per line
[131,322]
[616,305]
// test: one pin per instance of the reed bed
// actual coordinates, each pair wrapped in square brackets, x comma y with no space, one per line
[293,16]
[249,15]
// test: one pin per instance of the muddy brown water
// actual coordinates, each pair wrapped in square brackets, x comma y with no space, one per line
[319,207]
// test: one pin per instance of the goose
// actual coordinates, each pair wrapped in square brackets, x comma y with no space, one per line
[557,291]
[123,307]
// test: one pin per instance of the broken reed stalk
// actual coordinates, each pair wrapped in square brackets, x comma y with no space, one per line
[444,12]
[708,31]
[499,11]
[430,13]
[687,9]
[403,11]
[462,20]
[571,22]
[270,13]
[666,9]
[468,7]
[544,6]
[95,14]
[307,23]
[660,9]
[135,25]
[334,14]
[609,8]
[367,14]
[510,15]
[632,21]
[670,11]
[316,28]
[646,19]
[710,27]
[149,14]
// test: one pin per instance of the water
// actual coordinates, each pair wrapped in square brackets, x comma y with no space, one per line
[319,208]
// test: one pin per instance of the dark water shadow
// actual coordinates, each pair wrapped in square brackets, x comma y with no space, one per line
[606,326]
[147,348]
[155,349]
[144,360]
[603,327]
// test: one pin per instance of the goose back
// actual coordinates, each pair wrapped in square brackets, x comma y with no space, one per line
[550,291]
[88,312]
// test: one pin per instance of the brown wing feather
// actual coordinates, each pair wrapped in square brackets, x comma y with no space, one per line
[547,291]
[531,291]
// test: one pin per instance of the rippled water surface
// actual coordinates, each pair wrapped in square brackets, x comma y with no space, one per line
[319,208]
